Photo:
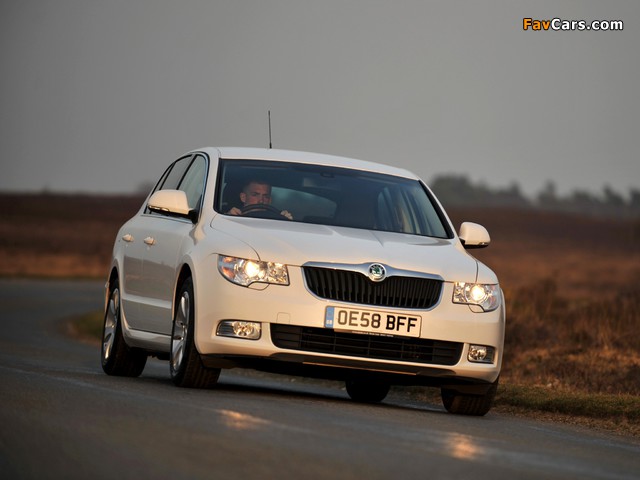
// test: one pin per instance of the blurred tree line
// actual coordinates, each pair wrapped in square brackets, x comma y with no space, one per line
[459,191]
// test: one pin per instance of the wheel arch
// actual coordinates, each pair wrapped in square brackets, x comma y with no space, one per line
[113,275]
[185,272]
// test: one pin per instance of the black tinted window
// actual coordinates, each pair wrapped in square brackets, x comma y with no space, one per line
[333,196]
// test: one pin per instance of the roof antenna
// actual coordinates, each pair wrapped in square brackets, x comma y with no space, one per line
[270,146]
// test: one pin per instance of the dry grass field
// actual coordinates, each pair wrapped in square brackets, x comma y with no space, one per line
[571,282]
[573,308]
[60,236]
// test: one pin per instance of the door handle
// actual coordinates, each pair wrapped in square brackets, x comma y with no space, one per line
[127,238]
[150,241]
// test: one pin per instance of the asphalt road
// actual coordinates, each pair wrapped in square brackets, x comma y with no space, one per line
[61,417]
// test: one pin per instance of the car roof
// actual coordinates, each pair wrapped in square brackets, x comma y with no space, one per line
[248,153]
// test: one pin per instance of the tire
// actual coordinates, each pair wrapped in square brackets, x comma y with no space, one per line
[464,404]
[367,391]
[117,357]
[185,364]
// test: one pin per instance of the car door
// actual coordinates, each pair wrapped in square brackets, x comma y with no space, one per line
[167,238]
[135,292]
[132,237]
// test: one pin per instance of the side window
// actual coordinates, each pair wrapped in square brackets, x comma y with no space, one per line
[176,173]
[193,182]
[171,177]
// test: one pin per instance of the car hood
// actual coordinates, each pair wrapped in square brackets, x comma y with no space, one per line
[296,243]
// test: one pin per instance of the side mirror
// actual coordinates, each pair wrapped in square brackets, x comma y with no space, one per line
[473,235]
[171,202]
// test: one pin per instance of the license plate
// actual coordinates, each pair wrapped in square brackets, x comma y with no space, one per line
[372,321]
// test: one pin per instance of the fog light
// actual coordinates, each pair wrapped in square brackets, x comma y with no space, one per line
[240,329]
[481,354]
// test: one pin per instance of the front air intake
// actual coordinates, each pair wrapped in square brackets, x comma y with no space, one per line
[326,340]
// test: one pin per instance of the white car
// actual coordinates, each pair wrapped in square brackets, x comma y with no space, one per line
[304,264]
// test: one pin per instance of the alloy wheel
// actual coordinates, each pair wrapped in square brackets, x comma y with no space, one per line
[180,331]
[110,324]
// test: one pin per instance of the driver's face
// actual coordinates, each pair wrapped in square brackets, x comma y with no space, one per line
[256,193]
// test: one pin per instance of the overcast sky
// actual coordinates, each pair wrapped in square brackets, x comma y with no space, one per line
[101,95]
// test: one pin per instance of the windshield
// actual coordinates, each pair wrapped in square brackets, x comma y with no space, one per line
[327,196]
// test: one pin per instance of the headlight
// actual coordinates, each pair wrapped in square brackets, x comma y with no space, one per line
[485,295]
[245,272]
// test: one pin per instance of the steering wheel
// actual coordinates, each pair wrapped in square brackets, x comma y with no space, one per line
[262,210]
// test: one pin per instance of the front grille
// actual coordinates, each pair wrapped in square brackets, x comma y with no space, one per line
[326,340]
[353,287]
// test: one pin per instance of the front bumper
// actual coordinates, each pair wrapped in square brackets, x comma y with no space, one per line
[294,307]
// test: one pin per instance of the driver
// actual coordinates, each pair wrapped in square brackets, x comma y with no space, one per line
[256,192]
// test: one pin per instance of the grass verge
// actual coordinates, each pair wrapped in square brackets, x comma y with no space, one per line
[87,327]
[612,412]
